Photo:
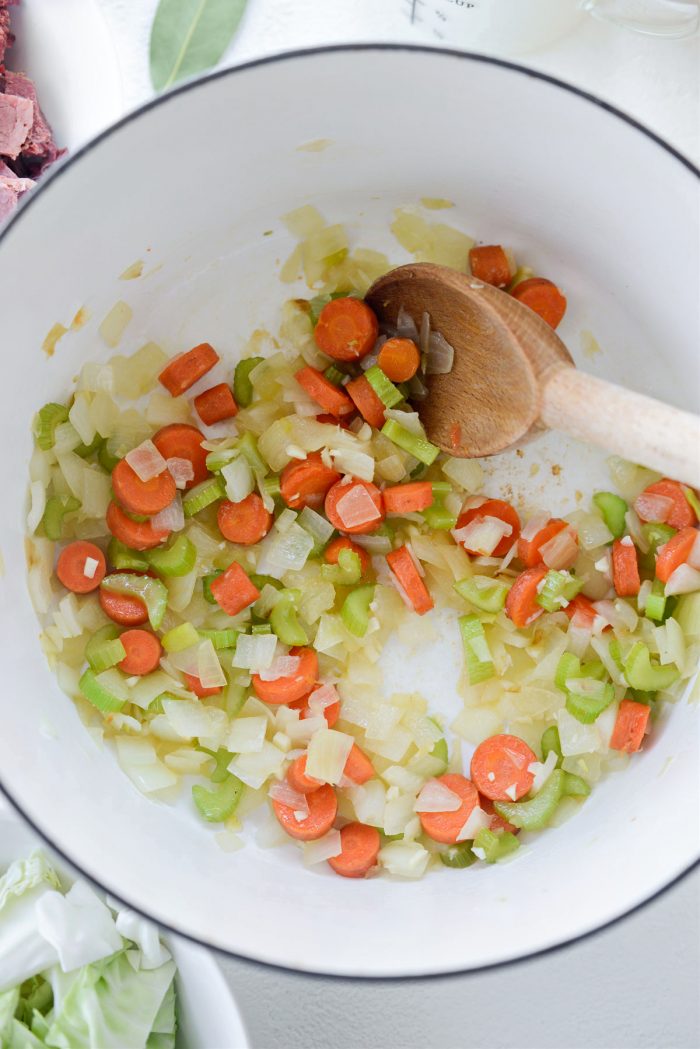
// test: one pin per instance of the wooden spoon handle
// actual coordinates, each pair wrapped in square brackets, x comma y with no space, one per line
[629,424]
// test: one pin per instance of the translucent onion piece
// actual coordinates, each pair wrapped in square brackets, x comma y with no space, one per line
[406,326]
[436,797]
[285,553]
[650,507]
[694,555]
[409,420]
[322,849]
[561,551]
[356,507]
[327,754]
[684,580]
[281,666]
[482,534]
[255,652]
[476,821]
[541,771]
[353,461]
[146,461]
[322,698]
[634,527]
[209,668]
[238,478]
[172,518]
[247,735]
[181,471]
[440,356]
[534,525]
[286,795]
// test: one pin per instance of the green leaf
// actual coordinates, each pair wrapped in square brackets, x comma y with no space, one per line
[189,36]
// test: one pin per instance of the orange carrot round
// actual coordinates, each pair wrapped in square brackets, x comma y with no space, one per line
[521,603]
[674,553]
[404,569]
[346,330]
[297,778]
[497,822]
[142,497]
[338,492]
[493,508]
[543,297]
[581,607]
[399,359]
[330,713]
[143,652]
[304,482]
[123,609]
[445,826]
[341,542]
[630,726]
[323,806]
[137,535]
[625,569]
[366,401]
[490,263]
[195,685]
[529,549]
[215,404]
[287,689]
[358,767]
[182,441]
[330,397]
[360,846]
[246,522]
[681,515]
[187,368]
[408,498]
[499,768]
[75,569]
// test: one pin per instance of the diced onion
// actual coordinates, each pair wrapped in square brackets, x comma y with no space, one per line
[467,473]
[322,849]
[560,551]
[143,767]
[239,479]
[483,534]
[541,771]
[374,544]
[327,754]
[512,553]
[90,567]
[322,698]
[37,495]
[316,525]
[694,555]
[409,420]
[406,326]
[353,461]
[209,668]
[684,580]
[254,769]
[281,666]
[436,797]
[284,553]
[405,859]
[247,735]
[634,527]
[650,507]
[181,471]
[476,821]
[286,795]
[172,518]
[255,652]
[533,526]
[146,461]
[356,507]
[439,359]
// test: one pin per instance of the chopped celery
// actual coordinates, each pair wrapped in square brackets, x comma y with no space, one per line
[416,446]
[495,846]
[655,605]
[207,580]
[223,759]
[558,588]
[476,650]
[260,581]
[613,509]
[574,786]
[441,488]
[84,450]
[355,610]
[334,375]
[220,458]
[568,666]
[180,638]
[693,500]
[176,559]
[104,649]
[551,742]
[261,628]
[271,485]
[124,559]
[284,621]
[438,518]
[688,615]
[236,696]
[641,673]
[347,572]
[249,448]
[656,535]
[242,386]
[383,387]
[203,495]
[98,695]
[220,639]
[151,591]
[488,598]
[156,705]
[220,802]
[439,750]
[586,698]
[45,423]
[110,452]
[459,855]
[535,813]
[56,509]
[616,653]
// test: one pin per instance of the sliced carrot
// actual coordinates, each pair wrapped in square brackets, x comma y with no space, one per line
[625,569]
[499,768]
[143,652]
[497,822]
[297,778]
[182,441]
[521,603]
[323,806]
[674,553]
[403,566]
[294,686]
[215,404]
[75,567]
[330,713]
[366,401]
[341,542]
[233,591]
[246,522]
[123,608]
[681,515]
[399,359]
[187,368]
[196,686]
[408,498]
[358,767]
[446,826]
[346,330]
[493,508]
[138,535]
[490,263]
[359,846]
[338,493]
[543,297]
[584,610]
[304,482]
[630,726]
[330,397]
[341,420]
[529,549]
[142,497]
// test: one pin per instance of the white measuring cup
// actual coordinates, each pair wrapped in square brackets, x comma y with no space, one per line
[517,26]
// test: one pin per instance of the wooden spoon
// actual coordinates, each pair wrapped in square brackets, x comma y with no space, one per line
[513,377]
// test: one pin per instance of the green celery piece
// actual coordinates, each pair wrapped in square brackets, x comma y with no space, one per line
[383,387]
[490,598]
[595,669]
[438,518]
[151,591]
[98,695]
[644,675]
[647,698]
[56,509]
[334,375]
[176,559]
[261,628]
[586,708]
[616,653]
[416,446]
[568,666]
[284,620]
[346,572]
[458,856]
[124,559]
[476,651]
[440,751]
[243,391]
[111,452]
[557,586]
[207,580]
[220,639]
[655,606]
[537,812]
[551,742]
[575,786]
[496,846]
[216,460]
[612,509]
[249,448]
[235,698]
[220,802]
[271,485]
[180,637]
[441,488]
[222,758]
[85,450]
[693,500]
[45,423]
[259,581]
[104,649]
[418,472]
[355,610]
[203,495]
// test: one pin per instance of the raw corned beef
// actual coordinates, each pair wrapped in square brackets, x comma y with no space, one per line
[39,149]
[16,119]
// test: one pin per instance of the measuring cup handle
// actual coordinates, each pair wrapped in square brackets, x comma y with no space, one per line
[668,18]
